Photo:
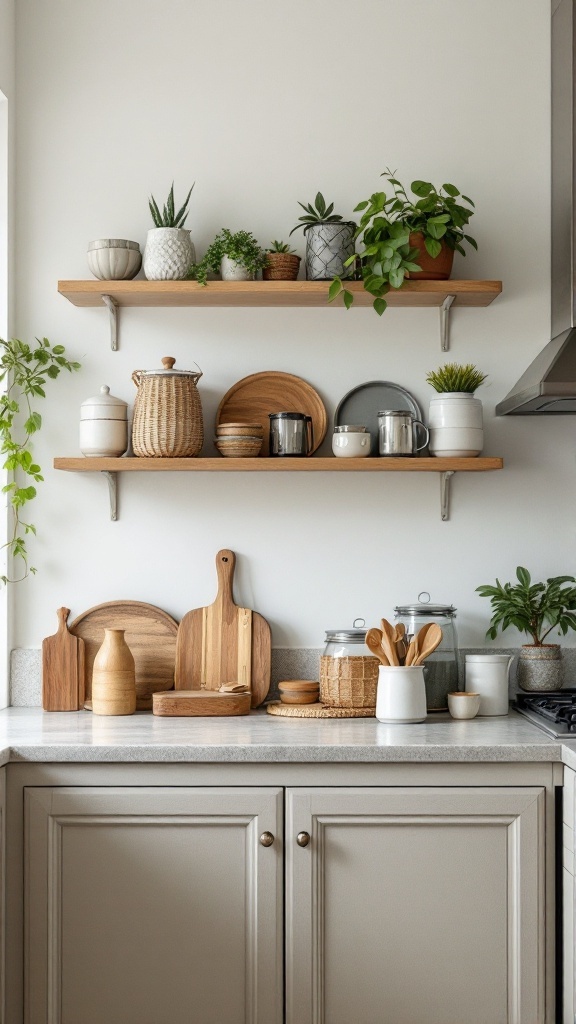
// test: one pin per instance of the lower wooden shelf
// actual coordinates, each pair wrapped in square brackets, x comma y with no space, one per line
[444,467]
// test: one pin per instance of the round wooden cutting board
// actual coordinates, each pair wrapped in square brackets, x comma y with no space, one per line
[150,635]
[251,400]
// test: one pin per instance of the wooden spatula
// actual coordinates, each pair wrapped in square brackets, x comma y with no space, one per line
[62,668]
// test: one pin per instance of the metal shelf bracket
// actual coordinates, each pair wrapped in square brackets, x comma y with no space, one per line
[445,494]
[113,311]
[445,322]
[112,479]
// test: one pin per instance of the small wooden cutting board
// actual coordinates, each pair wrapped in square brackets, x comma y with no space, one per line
[62,668]
[199,703]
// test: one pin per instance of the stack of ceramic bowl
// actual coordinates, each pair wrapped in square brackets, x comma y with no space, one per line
[114,259]
[239,440]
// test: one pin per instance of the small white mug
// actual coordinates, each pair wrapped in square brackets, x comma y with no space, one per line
[463,705]
[351,445]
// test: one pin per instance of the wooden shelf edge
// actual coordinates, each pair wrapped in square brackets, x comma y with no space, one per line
[278,465]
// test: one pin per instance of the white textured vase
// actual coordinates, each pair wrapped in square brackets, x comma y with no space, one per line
[230,270]
[455,423]
[169,254]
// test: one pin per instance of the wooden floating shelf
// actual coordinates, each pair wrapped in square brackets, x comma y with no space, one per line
[305,294]
[277,465]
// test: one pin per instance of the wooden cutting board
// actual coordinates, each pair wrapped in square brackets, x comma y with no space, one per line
[150,634]
[62,668]
[199,703]
[223,643]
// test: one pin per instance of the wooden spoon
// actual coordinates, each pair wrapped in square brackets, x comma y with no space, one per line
[431,642]
[389,642]
[417,644]
[400,642]
[374,644]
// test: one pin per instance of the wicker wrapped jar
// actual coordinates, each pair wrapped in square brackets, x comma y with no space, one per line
[167,421]
[348,672]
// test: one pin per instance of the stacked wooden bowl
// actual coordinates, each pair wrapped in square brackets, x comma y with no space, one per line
[239,440]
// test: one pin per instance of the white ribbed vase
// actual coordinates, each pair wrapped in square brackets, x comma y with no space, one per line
[455,423]
[169,254]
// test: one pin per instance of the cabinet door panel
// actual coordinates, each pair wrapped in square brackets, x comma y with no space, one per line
[152,905]
[414,905]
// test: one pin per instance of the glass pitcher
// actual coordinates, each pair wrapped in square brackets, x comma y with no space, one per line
[441,667]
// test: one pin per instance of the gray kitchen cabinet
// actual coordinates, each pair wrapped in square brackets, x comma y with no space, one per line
[568,894]
[415,905]
[152,905]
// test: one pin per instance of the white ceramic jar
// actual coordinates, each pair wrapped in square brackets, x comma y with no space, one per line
[455,423]
[487,674]
[230,270]
[401,694]
[103,425]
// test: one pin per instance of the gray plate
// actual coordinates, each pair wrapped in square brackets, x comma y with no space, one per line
[363,403]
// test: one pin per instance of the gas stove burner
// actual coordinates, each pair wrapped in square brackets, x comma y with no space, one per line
[558,707]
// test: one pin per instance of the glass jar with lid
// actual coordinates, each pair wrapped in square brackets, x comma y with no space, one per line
[441,673]
[348,671]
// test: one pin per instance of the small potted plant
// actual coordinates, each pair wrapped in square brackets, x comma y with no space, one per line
[169,251]
[237,257]
[455,417]
[282,263]
[535,609]
[402,238]
[329,241]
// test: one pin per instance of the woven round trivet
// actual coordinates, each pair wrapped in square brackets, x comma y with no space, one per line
[317,711]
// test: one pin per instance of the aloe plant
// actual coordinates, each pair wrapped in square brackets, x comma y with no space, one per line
[463,377]
[317,214]
[169,218]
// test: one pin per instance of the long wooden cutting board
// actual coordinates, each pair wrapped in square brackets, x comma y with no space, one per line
[150,634]
[62,668]
[223,642]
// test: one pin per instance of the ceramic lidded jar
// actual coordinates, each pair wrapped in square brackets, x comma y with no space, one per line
[103,425]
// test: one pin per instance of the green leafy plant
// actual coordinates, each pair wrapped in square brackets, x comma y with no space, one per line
[241,247]
[319,213]
[533,608]
[25,372]
[385,227]
[456,377]
[168,218]
[280,247]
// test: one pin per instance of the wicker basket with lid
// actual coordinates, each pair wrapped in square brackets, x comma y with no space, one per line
[167,420]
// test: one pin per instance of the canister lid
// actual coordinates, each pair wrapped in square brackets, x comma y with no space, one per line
[356,635]
[104,406]
[167,370]
[113,243]
[423,607]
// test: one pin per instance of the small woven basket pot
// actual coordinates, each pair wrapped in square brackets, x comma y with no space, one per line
[167,421]
[281,266]
[348,682]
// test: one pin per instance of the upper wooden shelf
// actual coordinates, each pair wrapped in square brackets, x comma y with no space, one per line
[271,293]
[279,465]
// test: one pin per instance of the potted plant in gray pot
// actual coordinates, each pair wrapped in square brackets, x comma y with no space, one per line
[329,241]
[169,252]
[535,609]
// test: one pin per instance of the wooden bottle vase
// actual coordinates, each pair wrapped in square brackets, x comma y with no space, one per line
[114,677]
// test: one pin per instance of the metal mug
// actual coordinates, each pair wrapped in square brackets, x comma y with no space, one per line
[291,434]
[397,430]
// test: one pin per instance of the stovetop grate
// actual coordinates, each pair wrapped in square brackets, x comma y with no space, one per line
[558,706]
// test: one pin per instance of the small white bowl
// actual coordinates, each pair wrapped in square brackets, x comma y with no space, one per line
[114,259]
[351,445]
[463,705]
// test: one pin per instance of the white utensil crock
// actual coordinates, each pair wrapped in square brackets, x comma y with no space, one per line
[487,674]
[401,694]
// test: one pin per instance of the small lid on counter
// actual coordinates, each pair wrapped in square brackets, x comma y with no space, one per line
[104,406]
[423,607]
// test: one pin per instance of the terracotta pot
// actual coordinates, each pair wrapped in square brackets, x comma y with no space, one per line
[438,269]
[281,266]
[114,677]
[540,668]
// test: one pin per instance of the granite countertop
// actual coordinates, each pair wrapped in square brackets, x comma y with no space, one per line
[30,734]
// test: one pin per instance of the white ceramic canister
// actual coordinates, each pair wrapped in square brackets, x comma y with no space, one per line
[487,674]
[103,425]
[456,428]
[231,270]
[401,694]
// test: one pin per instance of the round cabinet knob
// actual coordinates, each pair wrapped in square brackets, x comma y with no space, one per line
[303,838]
[266,839]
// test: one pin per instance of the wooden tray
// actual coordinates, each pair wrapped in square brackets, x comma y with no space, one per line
[199,703]
[254,397]
[316,711]
[150,635]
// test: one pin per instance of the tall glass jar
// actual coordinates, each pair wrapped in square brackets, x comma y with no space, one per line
[348,671]
[441,673]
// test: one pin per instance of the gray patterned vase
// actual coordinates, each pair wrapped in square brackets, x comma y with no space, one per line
[540,668]
[169,254]
[328,246]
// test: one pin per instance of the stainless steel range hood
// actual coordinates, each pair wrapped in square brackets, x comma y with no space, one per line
[549,384]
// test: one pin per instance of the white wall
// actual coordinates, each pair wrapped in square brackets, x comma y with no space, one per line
[262,103]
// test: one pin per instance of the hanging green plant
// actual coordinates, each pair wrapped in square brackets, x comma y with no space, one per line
[25,371]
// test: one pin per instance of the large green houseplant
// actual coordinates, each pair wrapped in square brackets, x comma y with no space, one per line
[24,372]
[536,609]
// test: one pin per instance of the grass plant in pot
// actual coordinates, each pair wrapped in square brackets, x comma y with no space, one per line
[282,263]
[329,241]
[536,609]
[455,416]
[169,251]
[236,257]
